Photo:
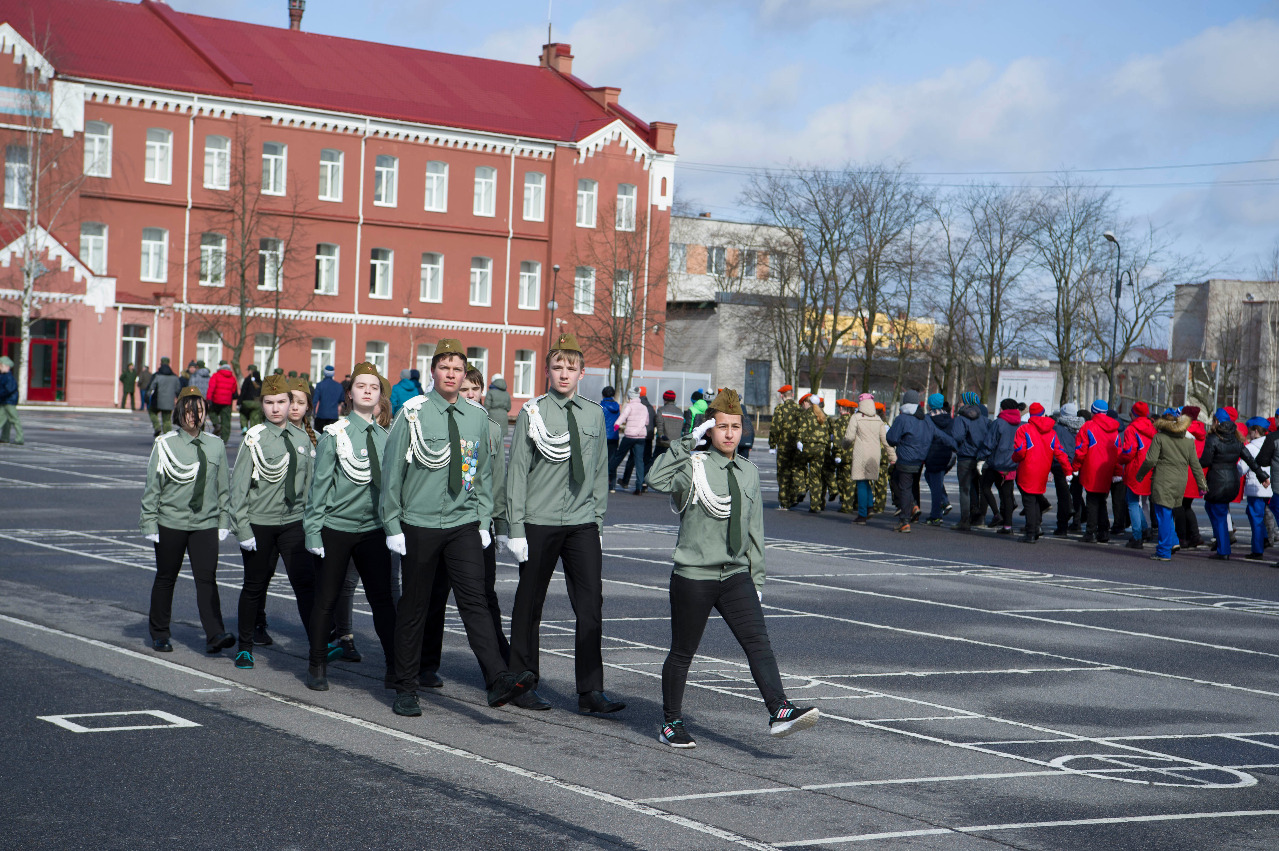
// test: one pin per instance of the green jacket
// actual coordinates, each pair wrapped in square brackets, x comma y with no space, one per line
[781,429]
[542,492]
[335,500]
[166,502]
[419,495]
[128,378]
[1172,456]
[262,502]
[702,549]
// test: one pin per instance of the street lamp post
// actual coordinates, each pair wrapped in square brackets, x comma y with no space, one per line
[1114,334]
[552,306]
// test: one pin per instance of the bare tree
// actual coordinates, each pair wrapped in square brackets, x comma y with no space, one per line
[907,273]
[949,300]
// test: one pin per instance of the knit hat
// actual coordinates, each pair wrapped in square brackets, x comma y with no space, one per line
[1234,413]
[1222,416]
[1036,409]
[406,374]
[633,393]
[910,397]
[1070,409]
[329,370]
[414,375]
[1259,422]
[1008,405]
[608,392]
[497,376]
[668,396]
[936,401]
[5,360]
[726,402]
[1139,409]
[865,396]
[1192,411]
[643,391]
[1099,407]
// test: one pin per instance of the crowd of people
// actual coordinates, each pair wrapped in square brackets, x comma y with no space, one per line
[1139,474]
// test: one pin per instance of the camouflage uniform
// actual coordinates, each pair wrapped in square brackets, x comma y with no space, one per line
[782,437]
[811,463]
[879,487]
[839,477]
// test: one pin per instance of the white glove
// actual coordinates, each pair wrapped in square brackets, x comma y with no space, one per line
[601,540]
[700,432]
[503,542]
[772,452]
[1116,480]
[395,543]
[485,539]
[250,545]
[518,547]
[839,460]
[155,539]
[760,595]
[799,446]
[223,534]
[319,551]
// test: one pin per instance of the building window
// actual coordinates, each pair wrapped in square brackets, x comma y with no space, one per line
[587,195]
[212,259]
[386,177]
[425,351]
[208,348]
[432,277]
[159,165]
[534,196]
[479,358]
[584,290]
[380,273]
[133,344]
[330,175]
[97,149]
[626,206]
[217,162]
[622,293]
[266,353]
[525,366]
[679,256]
[481,281]
[716,259]
[17,176]
[485,191]
[155,255]
[326,269]
[375,353]
[93,246]
[750,263]
[270,264]
[437,187]
[274,161]
[530,284]
[323,353]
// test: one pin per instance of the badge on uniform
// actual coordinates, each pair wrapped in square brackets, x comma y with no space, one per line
[364,452]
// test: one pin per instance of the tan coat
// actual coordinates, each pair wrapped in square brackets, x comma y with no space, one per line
[866,437]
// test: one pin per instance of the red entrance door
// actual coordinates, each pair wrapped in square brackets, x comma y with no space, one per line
[42,385]
[47,379]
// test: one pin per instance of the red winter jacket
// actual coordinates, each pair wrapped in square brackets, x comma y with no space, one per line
[1134,443]
[1035,447]
[222,387]
[1096,453]
[1200,434]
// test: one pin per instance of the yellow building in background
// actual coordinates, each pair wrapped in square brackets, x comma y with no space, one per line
[887,331]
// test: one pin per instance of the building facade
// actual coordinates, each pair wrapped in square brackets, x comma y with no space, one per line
[1225,344]
[269,196]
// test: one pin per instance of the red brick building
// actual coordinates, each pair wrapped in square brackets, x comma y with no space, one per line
[315,200]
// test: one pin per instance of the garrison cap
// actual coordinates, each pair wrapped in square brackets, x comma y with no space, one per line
[190,390]
[566,343]
[367,368]
[448,346]
[300,384]
[274,385]
[726,402]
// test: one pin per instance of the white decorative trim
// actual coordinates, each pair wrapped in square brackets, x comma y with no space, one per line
[11,41]
[554,447]
[617,131]
[366,319]
[44,242]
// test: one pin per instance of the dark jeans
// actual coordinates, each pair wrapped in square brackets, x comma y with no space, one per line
[433,634]
[1187,523]
[344,607]
[906,489]
[1034,514]
[936,492]
[201,547]
[1119,507]
[579,547]
[634,447]
[969,490]
[990,478]
[373,563]
[1065,500]
[1003,509]
[735,599]
[275,542]
[1098,521]
[457,551]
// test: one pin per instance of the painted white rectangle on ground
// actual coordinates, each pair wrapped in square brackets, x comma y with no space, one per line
[170,722]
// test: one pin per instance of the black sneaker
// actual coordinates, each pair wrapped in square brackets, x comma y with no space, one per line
[349,653]
[334,652]
[160,645]
[946,509]
[244,660]
[790,718]
[1134,544]
[1255,556]
[261,637]
[317,678]
[219,642]
[674,734]
[507,686]
[406,705]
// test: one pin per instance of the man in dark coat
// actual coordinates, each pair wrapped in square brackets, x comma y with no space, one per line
[912,434]
[165,387]
[968,428]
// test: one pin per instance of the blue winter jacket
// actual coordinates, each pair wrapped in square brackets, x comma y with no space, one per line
[328,395]
[969,430]
[912,434]
[404,390]
[8,389]
[611,412]
[998,450]
[940,455]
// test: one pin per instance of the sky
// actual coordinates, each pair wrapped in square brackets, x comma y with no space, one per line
[1174,104]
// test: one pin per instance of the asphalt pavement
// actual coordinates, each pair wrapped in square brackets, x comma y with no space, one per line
[975,692]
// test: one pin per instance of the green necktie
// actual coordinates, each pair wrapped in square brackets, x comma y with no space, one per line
[375,466]
[455,454]
[574,447]
[734,513]
[290,483]
[197,496]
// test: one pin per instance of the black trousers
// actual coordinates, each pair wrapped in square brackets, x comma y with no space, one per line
[969,492]
[1119,507]
[990,479]
[456,551]
[433,634]
[906,489]
[579,547]
[1033,503]
[1187,523]
[1065,501]
[201,547]
[1098,521]
[275,542]
[735,599]
[1080,504]
[373,562]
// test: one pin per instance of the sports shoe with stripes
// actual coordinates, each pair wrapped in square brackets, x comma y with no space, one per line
[790,718]
[674,734]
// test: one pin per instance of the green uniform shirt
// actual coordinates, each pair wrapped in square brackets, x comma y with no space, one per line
[501,523]
[542,492]
[335,500]
[166,502]
[702,549]
[419,495]
[260,501]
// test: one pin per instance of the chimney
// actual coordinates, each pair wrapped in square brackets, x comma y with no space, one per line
[296,8]
[557,57]
[605,96]
[704,215]
[663,137]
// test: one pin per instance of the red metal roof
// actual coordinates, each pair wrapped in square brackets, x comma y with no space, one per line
[150,44]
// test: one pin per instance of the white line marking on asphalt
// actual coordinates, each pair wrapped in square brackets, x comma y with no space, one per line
[997,672]
[172,722]
[815,787]
[205,690]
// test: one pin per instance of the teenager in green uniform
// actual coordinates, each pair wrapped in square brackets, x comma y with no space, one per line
[556,496]
[781,438]
[186,510]
[268,494]
[341,521]
[719,563]
[436,507]
[839,470]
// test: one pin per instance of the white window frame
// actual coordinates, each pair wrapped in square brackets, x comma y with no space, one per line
[266,353]
[481,281]
[212,251]
[376,353]
[269,249]
[530,284]
[627,198]
[716,259]
[97,149]
[331,174]
[425,352]
[525,374]
[485,191]
[386,180]
[584,290]
[208,348]
[326,268]
[436,199]
[155,256]
[623,293]
[324,351]
[679,257]
[159,157]
[478,357]
[587,202]
[217,162]
[93,246]
[381,271]
[750,263]
[275,168]
[534,196]
[17,177]
[431,287]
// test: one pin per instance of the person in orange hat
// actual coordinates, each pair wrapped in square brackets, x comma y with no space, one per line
[782,434]
[839,472]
